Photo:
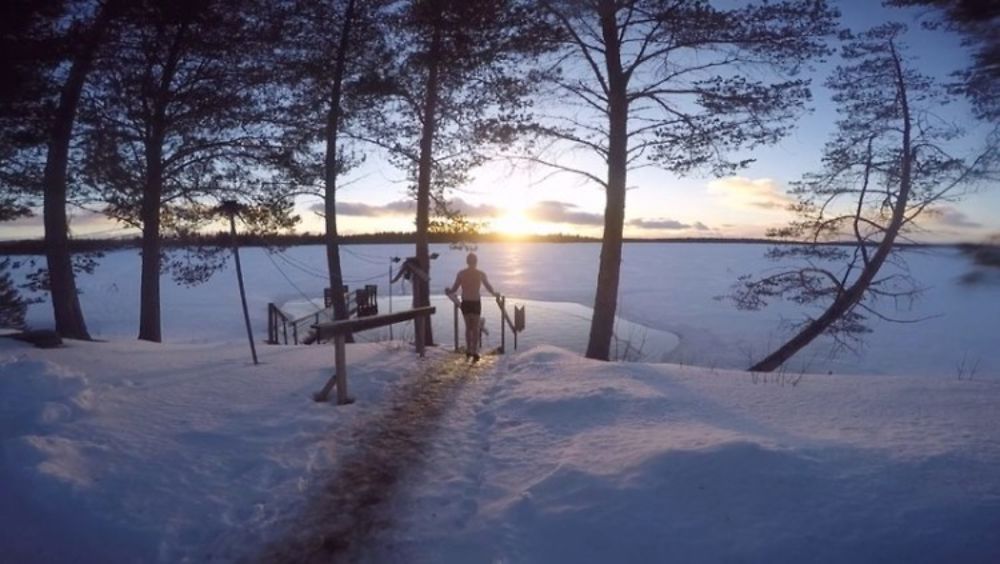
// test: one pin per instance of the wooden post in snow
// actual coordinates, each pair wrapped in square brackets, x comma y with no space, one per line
[454,300]
[340,358]
[338,330]
[502,302]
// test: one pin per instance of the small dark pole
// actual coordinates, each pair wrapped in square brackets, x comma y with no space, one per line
[455,314]
[502,302]
[231,208]
[392,260]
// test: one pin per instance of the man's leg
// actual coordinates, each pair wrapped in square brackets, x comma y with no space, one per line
[477,336]
[471,324]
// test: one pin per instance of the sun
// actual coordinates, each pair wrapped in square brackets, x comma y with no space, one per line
[514,222]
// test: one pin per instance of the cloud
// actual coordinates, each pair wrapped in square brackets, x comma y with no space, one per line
[77,219]
[405,207]
[358,209]
[562,212]
[476,210]
[546,212]
[951,217]
[762,193]
[666,224]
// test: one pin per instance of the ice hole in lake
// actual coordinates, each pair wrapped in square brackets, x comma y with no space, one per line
[562,324]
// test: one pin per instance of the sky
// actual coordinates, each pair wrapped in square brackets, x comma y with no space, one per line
[516,199]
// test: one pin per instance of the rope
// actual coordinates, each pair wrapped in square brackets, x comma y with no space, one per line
[293,285]
[370,259]
[299,266]
[369,279]
[312,272]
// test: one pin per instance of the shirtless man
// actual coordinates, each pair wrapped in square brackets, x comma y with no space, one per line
[469,280]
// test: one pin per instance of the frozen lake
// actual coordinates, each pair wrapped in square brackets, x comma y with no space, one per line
[667,288]
[563,324]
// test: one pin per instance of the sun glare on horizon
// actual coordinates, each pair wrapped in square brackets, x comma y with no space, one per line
[514,222]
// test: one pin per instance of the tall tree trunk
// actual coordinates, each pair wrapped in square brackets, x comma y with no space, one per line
[62,282]
[149,295]
[845,301]
[152,196]
[331,170]
[602,325]
[421,289]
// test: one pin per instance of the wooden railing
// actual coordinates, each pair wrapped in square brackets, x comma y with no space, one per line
[338,331]
[516,325]
[278,325]
[360,303]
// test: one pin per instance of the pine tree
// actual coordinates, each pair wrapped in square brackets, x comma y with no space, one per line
[13,306]
[679,85]
[328,55]
[459,83]
[177,123]
[889,163]
[978,22]
[52,47]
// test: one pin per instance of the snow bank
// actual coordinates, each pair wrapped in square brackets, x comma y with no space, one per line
[36,394]
[127,451]
[560,459]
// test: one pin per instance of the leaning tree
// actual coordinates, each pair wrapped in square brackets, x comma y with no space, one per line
[681,85]
[887,166]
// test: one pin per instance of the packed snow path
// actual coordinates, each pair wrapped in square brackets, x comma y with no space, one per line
[352,506]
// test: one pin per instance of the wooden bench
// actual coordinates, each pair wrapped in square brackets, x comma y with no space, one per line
[338,330]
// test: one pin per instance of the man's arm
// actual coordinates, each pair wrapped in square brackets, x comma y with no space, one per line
[458,282]
[486,283]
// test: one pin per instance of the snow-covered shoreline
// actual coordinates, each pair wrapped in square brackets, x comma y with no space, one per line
[669,287]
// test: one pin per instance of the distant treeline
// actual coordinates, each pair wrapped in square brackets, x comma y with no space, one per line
[37,246]
[220,239]
[984,254]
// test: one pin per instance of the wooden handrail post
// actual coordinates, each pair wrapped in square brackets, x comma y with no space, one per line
[454,301]
[455,310]
[338,330]
[503,328]
[340,350]
[419,326]
[270,323]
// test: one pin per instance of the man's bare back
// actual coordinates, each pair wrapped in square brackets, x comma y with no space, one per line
[470,280]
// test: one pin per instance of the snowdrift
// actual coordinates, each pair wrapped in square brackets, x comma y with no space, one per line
[129,451]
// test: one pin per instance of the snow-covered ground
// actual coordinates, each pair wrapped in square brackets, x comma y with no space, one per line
[560,459]
[123,451]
